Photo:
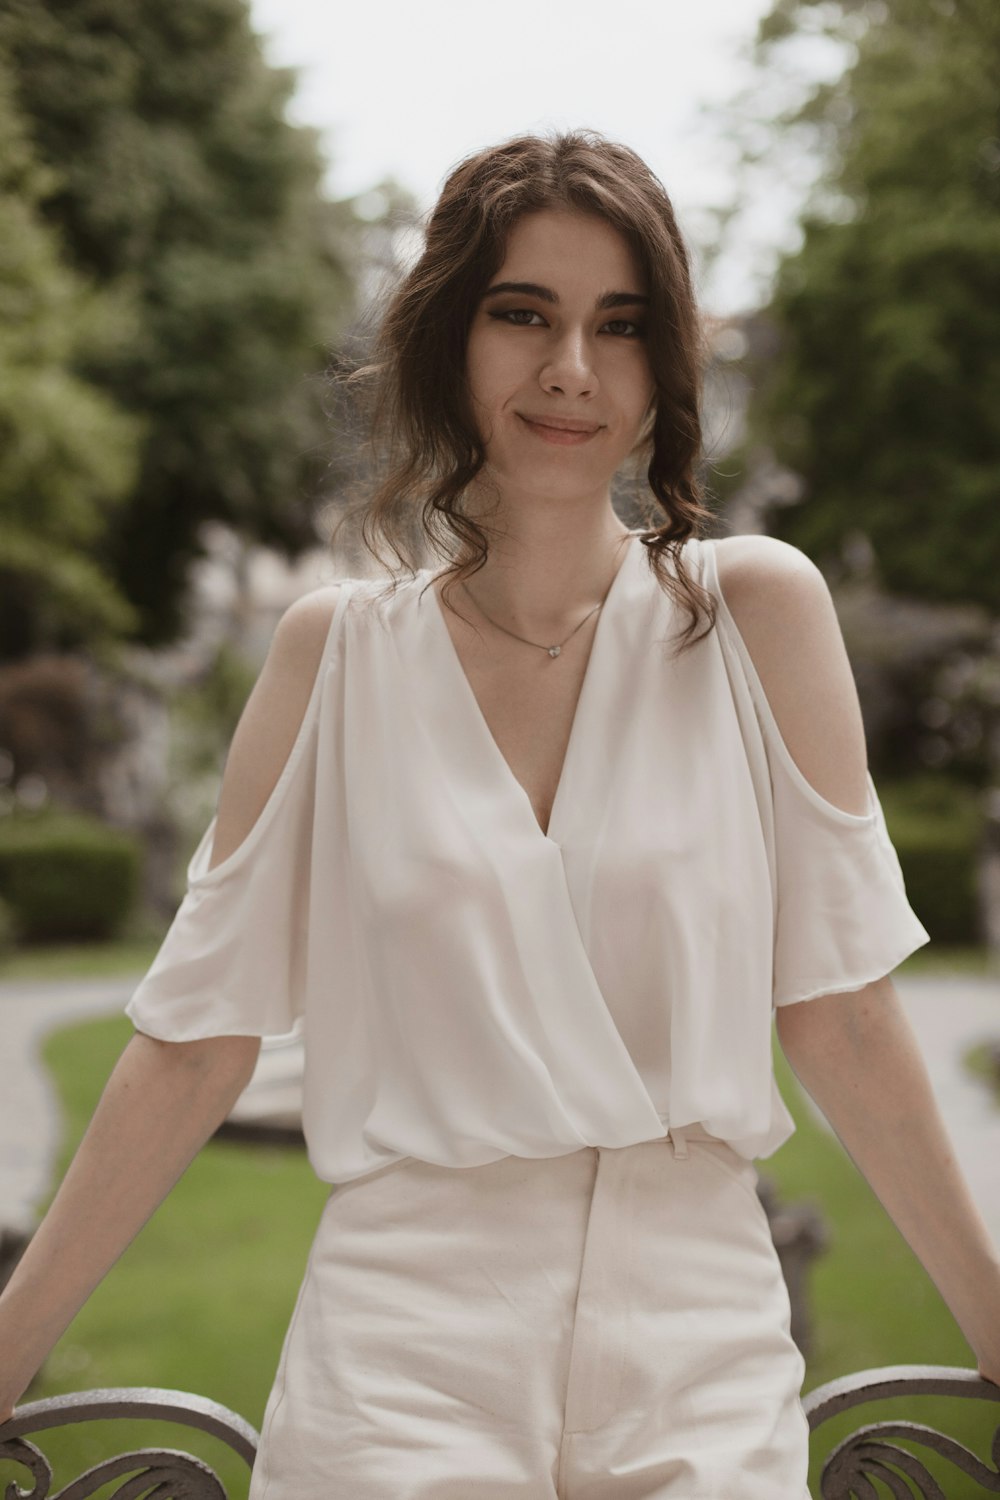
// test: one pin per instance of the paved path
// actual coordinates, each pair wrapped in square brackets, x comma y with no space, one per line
[30,1119]
[948,1015]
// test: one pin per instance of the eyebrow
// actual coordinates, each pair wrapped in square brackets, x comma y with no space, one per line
[546,294]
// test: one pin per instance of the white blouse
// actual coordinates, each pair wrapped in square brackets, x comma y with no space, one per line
[470,987]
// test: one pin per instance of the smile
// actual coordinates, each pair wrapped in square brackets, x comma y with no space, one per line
[567,436]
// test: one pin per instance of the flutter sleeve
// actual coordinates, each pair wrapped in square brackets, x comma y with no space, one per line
[842,917]
[233,961]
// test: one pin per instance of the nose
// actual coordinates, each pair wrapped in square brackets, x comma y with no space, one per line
[567,369]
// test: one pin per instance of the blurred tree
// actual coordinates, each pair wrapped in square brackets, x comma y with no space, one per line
[181,188]
[884,392]
[67,453]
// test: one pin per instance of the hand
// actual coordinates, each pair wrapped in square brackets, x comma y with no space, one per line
[989,1370]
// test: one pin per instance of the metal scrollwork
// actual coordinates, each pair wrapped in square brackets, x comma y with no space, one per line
[851,1472]
[164,1473]
[37,1465]
[866,1455]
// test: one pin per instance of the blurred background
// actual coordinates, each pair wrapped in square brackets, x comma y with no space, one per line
[202,204]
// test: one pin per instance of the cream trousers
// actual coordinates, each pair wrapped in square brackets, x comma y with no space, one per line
[611,1324]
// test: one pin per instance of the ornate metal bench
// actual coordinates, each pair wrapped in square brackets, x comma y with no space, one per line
[867,1454]
[851,1471]
[164,1472]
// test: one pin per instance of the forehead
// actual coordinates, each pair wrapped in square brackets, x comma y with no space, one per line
[570,246]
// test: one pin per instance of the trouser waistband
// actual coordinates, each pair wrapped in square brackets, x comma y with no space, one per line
[677,1136]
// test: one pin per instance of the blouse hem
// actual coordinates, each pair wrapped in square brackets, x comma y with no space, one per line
[881,971]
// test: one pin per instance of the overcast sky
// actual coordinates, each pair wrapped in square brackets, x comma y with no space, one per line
[405,90]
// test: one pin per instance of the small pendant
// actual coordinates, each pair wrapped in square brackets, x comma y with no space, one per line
[554,650]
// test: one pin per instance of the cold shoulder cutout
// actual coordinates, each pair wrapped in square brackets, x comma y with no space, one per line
[842,918]
[287,689]
[469,987]
[232,960]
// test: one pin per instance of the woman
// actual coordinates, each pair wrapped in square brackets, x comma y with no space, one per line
[532,862]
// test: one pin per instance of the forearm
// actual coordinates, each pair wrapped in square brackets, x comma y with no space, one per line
[160,1105]
[858,1058]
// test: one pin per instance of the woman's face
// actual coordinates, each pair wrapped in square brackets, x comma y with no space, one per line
[557,362]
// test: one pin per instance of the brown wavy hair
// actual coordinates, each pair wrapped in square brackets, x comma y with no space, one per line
[423,444]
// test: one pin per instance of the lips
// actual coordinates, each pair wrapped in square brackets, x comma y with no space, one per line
[561,424]
[563,432]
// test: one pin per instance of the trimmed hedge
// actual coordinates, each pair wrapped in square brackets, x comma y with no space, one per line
[65,875]
[936,825]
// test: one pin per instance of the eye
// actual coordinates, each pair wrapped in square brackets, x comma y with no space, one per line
[517,316]
[624,328]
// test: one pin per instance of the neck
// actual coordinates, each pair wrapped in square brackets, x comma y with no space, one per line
[542,576]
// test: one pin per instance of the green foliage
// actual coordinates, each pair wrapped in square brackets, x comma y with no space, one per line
[127,956]
[914,804]
[8,929]
[205,714]
[66,875]
[936,828]
[883,395]
[179,187]
[203,719]
[67,453]
[983,1060]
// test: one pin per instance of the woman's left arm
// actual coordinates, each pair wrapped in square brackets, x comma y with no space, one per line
[855,1052]
[857,1056]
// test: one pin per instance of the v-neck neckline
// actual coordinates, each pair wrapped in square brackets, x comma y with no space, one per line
[550,833]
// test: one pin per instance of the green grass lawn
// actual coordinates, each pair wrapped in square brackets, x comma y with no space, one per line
[873,1304]
[202,1298]
[54,961]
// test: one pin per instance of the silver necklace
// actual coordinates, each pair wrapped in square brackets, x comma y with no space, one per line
[552,650]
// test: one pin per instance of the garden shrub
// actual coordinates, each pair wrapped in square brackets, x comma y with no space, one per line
[936,825]
[67,875]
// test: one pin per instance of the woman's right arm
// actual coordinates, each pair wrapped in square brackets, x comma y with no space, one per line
[164,1099]
[161,1104]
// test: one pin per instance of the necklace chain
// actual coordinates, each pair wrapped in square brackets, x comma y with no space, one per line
[553,651]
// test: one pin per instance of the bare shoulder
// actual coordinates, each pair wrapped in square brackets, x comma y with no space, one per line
[751,568]
[785,614]
[272,716]
[281,692]
[302,630]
